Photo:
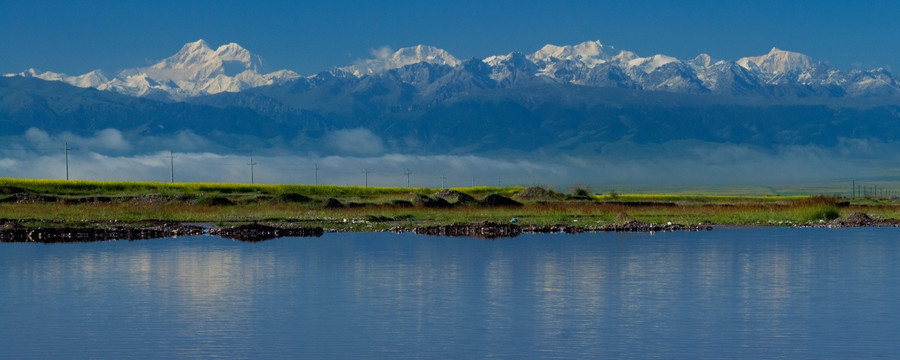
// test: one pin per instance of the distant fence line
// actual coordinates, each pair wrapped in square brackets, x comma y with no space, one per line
[861,190]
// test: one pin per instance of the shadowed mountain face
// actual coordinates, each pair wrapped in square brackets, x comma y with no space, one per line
[432,109]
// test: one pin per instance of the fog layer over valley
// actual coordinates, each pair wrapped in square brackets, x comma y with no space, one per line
[109,155]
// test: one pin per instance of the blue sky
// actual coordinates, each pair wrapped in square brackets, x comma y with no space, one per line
[75,37]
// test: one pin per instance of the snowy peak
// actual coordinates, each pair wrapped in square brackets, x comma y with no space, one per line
[196,69]
[194,47]
[589,53]
[593,64]
[386,60]
[777,62]
[511,67]
[92,79]
[650,64]
[624,56]
[190,53]
[701,61]
[422,53]
[234,53]
[198,58]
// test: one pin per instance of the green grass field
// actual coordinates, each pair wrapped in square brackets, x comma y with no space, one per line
[60,202]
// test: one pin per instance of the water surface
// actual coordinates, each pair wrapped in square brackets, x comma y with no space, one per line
[736,293]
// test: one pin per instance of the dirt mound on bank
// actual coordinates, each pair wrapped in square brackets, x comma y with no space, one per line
[499,200]
[853,220]
[858,219]
[292,198]
[424,200]
[332,203]
[454,197]
[538,194]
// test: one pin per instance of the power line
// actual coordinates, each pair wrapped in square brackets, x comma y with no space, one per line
[252,163]
[67,159]
[172,164]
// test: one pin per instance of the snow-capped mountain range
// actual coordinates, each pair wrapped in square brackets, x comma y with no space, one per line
[198,70]
[194,70]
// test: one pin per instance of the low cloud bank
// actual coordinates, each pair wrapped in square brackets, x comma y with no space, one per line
[723,167]
[357,141]
[106,139]
[109,155]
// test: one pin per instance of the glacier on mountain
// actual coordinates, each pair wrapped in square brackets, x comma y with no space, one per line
[94,79]
[777,61]
[194,70]
[197,69]
[385,60]
[589,53]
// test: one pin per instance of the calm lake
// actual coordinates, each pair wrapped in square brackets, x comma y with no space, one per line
[757,293]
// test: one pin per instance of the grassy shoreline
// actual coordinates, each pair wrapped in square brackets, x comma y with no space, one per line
[49,203]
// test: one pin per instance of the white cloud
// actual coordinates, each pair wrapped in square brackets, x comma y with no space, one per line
[383,53]
[7,164]
[182,141]
[106,139]
[37,136]
[357,141]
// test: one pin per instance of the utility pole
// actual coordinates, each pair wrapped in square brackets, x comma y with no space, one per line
[252,163]
[67,159]
[172,164]
[408,173]
[317,173]
[367,176]
[473,181]
[443,177]
[854,189]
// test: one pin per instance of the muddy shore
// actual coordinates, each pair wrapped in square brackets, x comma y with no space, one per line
[491,230]
[12,231]
[16,231]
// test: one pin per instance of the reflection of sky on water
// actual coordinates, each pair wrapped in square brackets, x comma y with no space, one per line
[675,295]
